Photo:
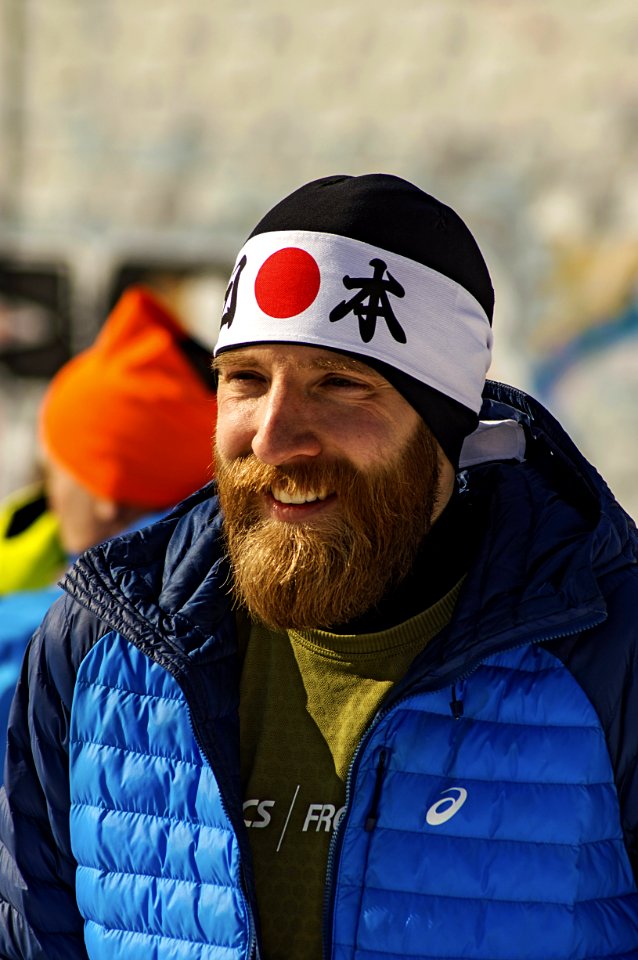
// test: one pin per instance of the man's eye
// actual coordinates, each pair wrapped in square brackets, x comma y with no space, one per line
[241,382]
[241,375]
[345,382]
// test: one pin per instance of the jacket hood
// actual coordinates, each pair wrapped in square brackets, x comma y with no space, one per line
[570,476]
[552,530]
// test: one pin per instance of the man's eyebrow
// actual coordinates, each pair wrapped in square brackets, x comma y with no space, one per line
[219,362]
[232,358]
[339,363]
[336,363]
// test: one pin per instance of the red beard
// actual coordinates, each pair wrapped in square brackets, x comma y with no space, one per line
[338,565]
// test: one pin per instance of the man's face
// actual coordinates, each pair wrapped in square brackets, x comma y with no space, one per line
[328,479]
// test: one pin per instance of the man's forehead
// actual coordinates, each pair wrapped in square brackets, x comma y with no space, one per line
[300,356]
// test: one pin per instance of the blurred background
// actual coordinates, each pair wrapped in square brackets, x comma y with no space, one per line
[143,139]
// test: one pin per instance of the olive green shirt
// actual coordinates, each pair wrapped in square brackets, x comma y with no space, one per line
[307,697]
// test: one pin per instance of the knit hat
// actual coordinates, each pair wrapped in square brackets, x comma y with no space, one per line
[132,418]
[373,267]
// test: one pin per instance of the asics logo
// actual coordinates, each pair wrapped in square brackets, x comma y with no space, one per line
[445,808]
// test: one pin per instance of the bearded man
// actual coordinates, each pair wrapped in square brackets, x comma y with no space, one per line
[369,695]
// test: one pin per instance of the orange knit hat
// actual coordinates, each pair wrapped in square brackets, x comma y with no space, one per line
[130,418]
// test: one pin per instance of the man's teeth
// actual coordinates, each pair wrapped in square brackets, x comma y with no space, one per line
[309,497]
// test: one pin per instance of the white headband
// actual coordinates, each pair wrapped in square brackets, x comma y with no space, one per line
[329,291]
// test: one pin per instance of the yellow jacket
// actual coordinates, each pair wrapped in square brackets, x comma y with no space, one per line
[31,555]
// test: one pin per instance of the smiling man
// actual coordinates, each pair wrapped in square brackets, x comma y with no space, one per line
[372,693]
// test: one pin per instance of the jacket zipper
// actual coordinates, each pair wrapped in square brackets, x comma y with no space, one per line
[373,813]
[337,837]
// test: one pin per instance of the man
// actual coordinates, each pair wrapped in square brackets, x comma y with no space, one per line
[125,431]
[381,704]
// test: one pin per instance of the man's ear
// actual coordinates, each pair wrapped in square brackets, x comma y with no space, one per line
[447,478]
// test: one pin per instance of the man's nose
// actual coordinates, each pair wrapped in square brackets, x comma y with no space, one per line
[285,428]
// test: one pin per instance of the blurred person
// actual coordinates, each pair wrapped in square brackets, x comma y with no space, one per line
[125,433]
[31,552]
[372,693]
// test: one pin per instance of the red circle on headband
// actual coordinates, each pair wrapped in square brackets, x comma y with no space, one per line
[287,282]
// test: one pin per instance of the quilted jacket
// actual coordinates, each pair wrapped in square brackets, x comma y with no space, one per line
[492,804]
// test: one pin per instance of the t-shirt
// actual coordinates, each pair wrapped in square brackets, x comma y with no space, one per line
[307,697]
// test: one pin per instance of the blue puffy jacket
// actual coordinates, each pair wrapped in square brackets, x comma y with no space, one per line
[492,805]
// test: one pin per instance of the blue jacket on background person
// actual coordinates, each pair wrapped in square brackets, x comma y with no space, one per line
[523,717]
[20,614]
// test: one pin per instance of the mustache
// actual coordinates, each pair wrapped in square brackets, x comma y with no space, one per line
[250,475]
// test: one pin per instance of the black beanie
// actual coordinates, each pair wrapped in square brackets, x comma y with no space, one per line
[411,297]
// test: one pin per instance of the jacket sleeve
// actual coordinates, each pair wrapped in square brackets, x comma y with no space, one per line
[39,917]
[604,661]
[20,614]
[617,696]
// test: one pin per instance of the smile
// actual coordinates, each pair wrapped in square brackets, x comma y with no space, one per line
[310,496]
